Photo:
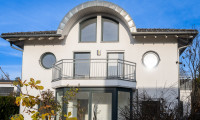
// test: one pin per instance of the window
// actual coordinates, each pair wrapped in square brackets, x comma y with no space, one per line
[110,30]
[93,103]
[150,59]
[48,60]
[115,65]
[82,65]
[151,108]
[59,96]
[101,106]
[88,30]
[79,106]
[123,104]
[5,91]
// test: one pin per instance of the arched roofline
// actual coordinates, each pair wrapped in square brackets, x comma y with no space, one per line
[93,7]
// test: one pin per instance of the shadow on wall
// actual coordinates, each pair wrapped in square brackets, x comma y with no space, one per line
[45,42]
[153,40]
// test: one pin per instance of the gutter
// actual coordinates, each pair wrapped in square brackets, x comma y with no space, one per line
[36,35]
[164,33]
[11,45]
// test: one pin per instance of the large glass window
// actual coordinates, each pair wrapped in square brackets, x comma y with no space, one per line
[88,30]
[59,97]
[96,103]
[102,106]
[82,65]
[79,106]
[110,30]
[115,65]
[123,102]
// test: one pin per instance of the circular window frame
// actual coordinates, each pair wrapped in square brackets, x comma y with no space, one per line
[42,56]
[151,51]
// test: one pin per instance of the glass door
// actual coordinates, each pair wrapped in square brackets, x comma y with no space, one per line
[115,65]
[82,65]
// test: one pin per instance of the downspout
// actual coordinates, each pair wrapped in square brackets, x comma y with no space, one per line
[11,45]
[178,62]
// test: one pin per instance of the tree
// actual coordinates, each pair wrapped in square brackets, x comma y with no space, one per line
[5,76]
[48,106]
[191,60]
[145,107]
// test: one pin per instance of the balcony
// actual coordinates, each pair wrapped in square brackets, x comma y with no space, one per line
[102,69]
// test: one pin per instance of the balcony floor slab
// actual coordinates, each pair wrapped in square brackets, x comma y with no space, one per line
[93,83]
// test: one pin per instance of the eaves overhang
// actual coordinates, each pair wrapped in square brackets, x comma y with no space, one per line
[18,38]
[184,37]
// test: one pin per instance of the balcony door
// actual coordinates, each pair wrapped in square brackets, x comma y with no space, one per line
[81,65]
[115,65]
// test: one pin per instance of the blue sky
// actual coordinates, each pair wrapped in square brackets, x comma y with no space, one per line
[42,15]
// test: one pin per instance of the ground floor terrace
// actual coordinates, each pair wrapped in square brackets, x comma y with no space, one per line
[96,103]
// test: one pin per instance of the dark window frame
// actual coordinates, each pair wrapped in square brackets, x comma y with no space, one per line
[75,59]
[113,90]
[80,30]
[42,56]
[102,26]
[151,51]
[117,65]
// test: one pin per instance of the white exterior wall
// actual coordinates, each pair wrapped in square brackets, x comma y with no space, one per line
[164,75]
[185,97]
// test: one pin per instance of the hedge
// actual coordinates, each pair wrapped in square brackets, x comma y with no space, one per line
[8,107]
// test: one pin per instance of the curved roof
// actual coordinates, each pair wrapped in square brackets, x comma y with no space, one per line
[93,7]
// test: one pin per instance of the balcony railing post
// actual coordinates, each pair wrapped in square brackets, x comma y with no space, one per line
[135,73]
[107,68]
[123,70]
[53,73]
[61,70]
[117,69]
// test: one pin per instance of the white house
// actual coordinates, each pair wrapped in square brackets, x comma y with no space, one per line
[98,47]
[7,88]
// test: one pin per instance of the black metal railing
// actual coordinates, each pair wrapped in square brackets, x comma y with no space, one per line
[94,69]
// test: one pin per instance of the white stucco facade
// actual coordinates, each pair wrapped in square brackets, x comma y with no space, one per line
[132,43]
[165,75]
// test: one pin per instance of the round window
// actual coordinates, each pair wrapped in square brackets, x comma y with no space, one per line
[150,59]
[48,60]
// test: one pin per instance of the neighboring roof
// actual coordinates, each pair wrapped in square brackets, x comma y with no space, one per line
[6,81]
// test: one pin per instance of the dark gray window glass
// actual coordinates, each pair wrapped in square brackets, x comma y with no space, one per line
[88,30]
[82,65]
[110,30]
[115,65]
[48,60]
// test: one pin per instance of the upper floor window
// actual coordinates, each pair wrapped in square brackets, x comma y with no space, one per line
[48,60]
[88,30]
[110,30]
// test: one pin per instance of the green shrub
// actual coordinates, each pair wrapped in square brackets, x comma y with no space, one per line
[8,107]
